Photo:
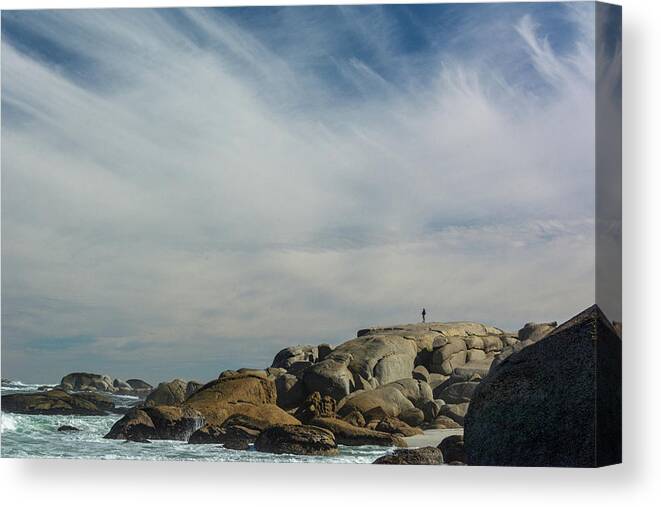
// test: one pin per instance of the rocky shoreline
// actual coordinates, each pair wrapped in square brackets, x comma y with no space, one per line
[408,388]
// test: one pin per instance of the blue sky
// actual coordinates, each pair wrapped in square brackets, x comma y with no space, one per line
[186,191]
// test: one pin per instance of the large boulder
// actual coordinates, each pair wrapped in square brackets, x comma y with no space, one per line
[557,402]
[290,391]
[168,393]
[288,439]
[57,402]
[287,357]
[419,456]
[346,434]
[81,381]
[239,393]
[389,400]
[459,392]
[157,423]
[331,376]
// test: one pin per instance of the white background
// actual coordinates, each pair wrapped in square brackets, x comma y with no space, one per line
[636,482]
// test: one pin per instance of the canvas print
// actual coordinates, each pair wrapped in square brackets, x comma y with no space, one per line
[381,234]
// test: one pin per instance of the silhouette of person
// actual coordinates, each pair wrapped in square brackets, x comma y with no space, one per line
[424,313]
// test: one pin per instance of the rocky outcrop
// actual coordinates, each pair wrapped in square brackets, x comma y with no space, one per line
[346,434]
[455,411]
[419,456]
[233,393]
[288,439]
[157,423]
[57,402]
[557,402]
[443,422]
[459,392]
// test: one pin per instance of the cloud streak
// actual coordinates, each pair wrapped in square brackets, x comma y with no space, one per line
[217,184]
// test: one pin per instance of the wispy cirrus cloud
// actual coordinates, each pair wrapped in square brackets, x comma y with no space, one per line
[222,183]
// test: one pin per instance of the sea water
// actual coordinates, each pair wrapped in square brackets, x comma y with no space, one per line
[36,436]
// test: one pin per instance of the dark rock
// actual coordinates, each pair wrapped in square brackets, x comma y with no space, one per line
[452,448]
[289,439]
[557,402]
[419,456]
[455,411]
[66,427]
[291,393]
[421,373]
[157,423]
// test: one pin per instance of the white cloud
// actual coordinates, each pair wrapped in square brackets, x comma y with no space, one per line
[180,199]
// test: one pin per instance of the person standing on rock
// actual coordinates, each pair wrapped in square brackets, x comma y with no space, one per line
[424,313]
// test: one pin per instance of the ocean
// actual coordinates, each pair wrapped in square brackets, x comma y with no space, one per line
[36,436]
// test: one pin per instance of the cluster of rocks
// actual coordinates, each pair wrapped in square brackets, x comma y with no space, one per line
[376,389]
[95,382]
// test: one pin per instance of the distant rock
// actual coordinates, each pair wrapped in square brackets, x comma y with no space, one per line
[87,382]
[157,423]
[419,456]
[346,434]
[535,332]
[57,402]
[455,411]
[443,422]
[288,439]
[557,402]
[139,385]
[459,392]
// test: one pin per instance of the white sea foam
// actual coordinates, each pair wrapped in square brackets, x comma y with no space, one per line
[7,422]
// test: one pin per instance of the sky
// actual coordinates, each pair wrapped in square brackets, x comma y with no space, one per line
[190,190]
